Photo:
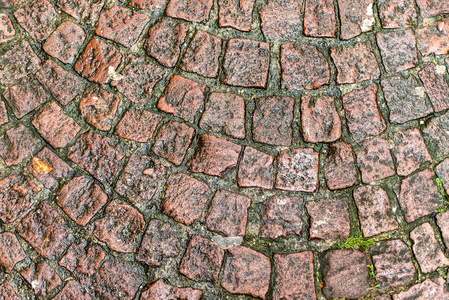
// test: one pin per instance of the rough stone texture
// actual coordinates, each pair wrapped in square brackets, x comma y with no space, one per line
[139,78]
[272,120]
[172,141]
[225,114]
[236,14]
[42,278]
[339,166]
[356,16]
[298,170]
[202,260]
[397,13]
[346,274]
[303,67]
[82,10]
[436,86]
[17,145]
[96,60]
[185,198]
[121,227]
[432,8]
[393,264]
[246,272]
[355,63]
[72,290]
[121,25]
[436,135]
[280,20]
[138,125]
[81,199]
[54,126]
[427,250]
[294,276]
[183,98]
[246,63]
[375,212]
[443,224]
[7,30]
[362,114]
[214,156]
[428,289]
[189,10]
[63,85]
[319,18]
[3,114]
[11,252]
[228,213]
[46,231]
[37,18]
[319,119]
[161,290]
[10,3]
[374,160]
[160,242]
[256,169]
[24,97]
[419,195]
[282,216]
[148,4]
[7,292]
[398,50]
[329,219]
[442,170]
[65,42]
[164,41]
[432,40]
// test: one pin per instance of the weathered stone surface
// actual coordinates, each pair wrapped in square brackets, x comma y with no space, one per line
[42,278]
[443,224]
[148,4]
[138,125]
[329,219]
[256,169]
[3,114]
[319,18]
[185,198]
[355,17]
[432,8]
[436,135]
[189,10]
[161,290]
[38,18]
[236,14]
[98,107]
[339,166]
[374,160]
[10,3]
[24,97]
[7,292]
[294,276]
[442,170]
[65,42]
[303,67]
[17,144]
[429,288]
[280,20]
[202,260]
[431,39]
[85,10]
[11,252]
[298,170]
[246,63]
[397,13]
[398,50]
[72,290]
[7,30]
[183,98]
[436,86]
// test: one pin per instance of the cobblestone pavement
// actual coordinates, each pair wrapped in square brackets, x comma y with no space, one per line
[229,149]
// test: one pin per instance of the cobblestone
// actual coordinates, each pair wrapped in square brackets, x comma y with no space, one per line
[256,169]
[65,42]
[138,125]
[375,161]
[7,31]
[17,144]
[424,290]
[236,14]
[356,17]
[397,13]
[194,11]
[42,278]
[24,97]
[398,50]
[280,20]
[161,290]
[37,18]
[11,252]
[319,18]
[339,167]
[7,292]
[432,40]
[82,10]
[436,86]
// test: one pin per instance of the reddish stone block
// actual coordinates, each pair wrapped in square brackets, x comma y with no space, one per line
[38,19]
[419,195]
[172,141]
[356,16]
[7,292]
[42,278]
[82,10]
[160,242]
[17,145]
[272,120]
[294,276]
[81,199]
[214,156]
[375,161]
[98,107]
[256,169]
[65,42]
[436,86]
[393,264]
[339,167]
[319,119]
[442,170]
[7,30]
[432,8]
[329,219]
[433,38]
[10,3]
[202,260]
[138,125]
[185,198]
[443,224]
[54,126]
[3,114]
[410,152]
[201,57]
[246,272]
[405,98]
[298,170]
[24,97]
[139,180]
[96,61]
[246,63]
[236,14]
[46,231]
[11,252]
[355,63]
[397,13]
[280,20]
[303,67]
[436,136]
[63,85]
[189,10]
[428,289]
[121,25]
[282,216]
[148,4]
[398,50]
[427,250]
[164,41]
[72,290]
[346,274]
[183,98]
[319,18]
[161,290]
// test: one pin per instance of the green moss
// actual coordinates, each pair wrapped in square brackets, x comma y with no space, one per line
[356,242]
[443,195]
